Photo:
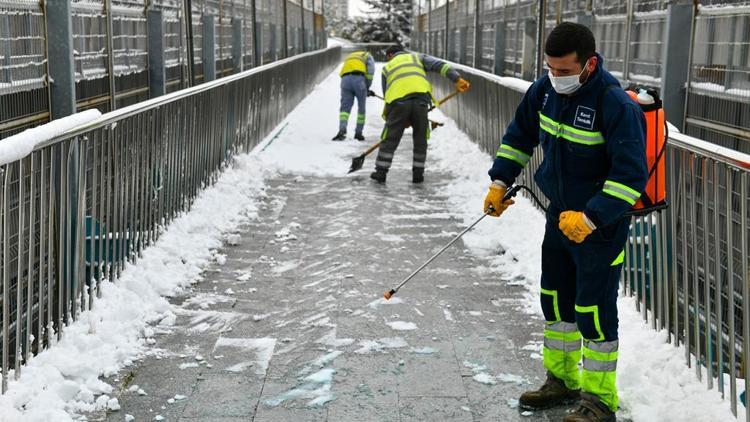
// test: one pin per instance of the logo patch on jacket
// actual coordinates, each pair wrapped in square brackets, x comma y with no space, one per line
[584,118]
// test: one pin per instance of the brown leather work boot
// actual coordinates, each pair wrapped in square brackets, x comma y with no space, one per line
[591,409]
[552,393]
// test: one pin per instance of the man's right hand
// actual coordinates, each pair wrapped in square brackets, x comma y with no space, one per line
[462,85]
[371,93]
[495,199]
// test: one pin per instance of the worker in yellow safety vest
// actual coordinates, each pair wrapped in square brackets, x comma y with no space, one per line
[356,77]
[408,95]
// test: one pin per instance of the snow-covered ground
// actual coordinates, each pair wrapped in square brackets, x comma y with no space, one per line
[655,383]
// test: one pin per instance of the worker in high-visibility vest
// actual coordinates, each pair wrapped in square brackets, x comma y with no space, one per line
[408,95]
[356,77]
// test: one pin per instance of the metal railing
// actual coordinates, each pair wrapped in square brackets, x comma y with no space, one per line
[110,48]
[687,267]
[82,205]
[709,53]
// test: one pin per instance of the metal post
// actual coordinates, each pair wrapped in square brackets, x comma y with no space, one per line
[284,36]
[157,77]
[446,39]
[238,45]
[477,36]
[628,32]
[60,57]
[209,51]
[110,54]
[187,9]
[303,45]
[675,68]
[499,67]
[428,45]
[540,37]
[256,34]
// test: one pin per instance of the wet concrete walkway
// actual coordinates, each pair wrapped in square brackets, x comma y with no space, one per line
[289,324]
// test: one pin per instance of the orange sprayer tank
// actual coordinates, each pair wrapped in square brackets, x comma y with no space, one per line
[654,196]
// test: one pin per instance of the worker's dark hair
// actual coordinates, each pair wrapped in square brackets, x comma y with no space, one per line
[569,37]
[393,50]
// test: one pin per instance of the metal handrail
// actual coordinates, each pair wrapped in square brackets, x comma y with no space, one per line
[121,113]
[82,205]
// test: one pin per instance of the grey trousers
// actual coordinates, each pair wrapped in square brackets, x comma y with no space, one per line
[401,113]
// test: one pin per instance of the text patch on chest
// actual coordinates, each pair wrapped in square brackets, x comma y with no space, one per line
[584,118]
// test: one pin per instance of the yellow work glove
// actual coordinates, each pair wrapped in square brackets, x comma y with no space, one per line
[495,197]
[575,226]
[462,85]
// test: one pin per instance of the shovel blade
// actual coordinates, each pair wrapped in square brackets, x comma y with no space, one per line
[357,163]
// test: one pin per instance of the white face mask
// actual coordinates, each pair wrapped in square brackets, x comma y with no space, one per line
[567,85]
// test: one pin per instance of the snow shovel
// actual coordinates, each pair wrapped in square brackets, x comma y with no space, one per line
[508,195]
[359,161]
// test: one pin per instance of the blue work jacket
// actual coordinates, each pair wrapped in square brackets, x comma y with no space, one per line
[593,142]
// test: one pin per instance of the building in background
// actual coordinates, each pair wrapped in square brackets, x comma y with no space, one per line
[336,10]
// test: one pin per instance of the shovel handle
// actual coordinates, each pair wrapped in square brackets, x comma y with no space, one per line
[447,97]
[371,149]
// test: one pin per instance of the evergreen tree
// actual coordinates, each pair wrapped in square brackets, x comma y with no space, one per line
[388,21]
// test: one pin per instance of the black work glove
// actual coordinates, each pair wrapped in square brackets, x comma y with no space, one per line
[371,93]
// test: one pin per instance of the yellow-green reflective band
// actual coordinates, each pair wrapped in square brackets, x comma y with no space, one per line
[360,118]
[594,365]
[368,76]
[570,133]
[600,356]
[513,154]
[419,73]
[602,348]
[620,191]
[565,346]
[384,134]
[619,260]
[562,327]
[594,309]
[553,293]
[562,336]
[343,116]
[444,70]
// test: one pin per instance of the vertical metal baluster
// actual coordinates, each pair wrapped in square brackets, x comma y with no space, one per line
[18,355]
[94,256]
[706,272]
[43,261]
[53,277]
[719,280]
[685,266]
[642,270]
[108,226]
[653,279]
[745,287]
[80,234]
[730,293]
[675,191]
[694,163]
[6,276]
[31,258]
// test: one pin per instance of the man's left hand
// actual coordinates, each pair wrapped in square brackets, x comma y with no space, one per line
[574,226]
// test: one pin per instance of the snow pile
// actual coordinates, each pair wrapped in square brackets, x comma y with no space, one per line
[66,377]
[18,146]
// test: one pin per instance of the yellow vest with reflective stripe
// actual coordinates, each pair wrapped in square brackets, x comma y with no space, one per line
[405,75]
[355,62]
